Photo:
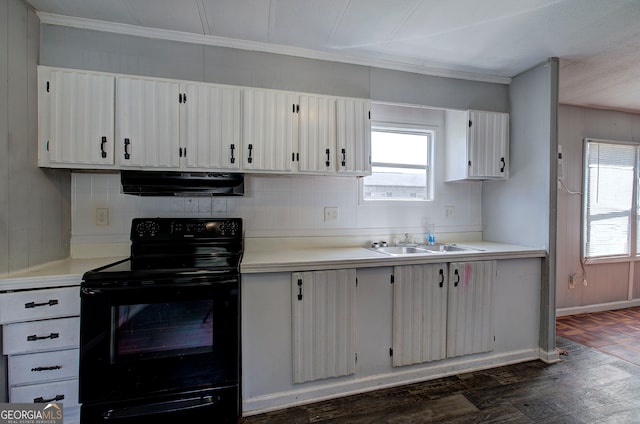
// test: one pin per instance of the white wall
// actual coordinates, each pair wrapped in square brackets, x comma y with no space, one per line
[34,204]
[608,285]
[522,210]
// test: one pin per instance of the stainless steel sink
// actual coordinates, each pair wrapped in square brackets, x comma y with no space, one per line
[421,249]
[444,248]
[402,250]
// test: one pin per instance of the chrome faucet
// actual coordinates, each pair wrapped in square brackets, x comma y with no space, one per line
[406,238]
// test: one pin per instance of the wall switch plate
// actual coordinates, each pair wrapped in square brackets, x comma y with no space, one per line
[330,214]
[102,216]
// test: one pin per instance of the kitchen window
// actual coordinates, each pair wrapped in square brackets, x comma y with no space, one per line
[611,200]
[401,163]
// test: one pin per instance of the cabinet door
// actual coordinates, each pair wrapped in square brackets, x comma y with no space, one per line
[354,136]
[323,317]
[147,123]
[317,134]
[419,313]
[268,128]
[488,144]
[75,117]
[210,126]
[470,315]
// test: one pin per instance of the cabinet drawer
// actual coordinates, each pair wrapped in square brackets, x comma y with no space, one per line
[60,391]
[38,336]
[44,366]
[39,304]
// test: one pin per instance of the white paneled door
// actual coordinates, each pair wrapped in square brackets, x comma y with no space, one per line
[470,314]
[354,136]
[317,134]
[419,313]
[268,129]
[147,133]
[488,144]
[210,126]
[323,316]
[76,117]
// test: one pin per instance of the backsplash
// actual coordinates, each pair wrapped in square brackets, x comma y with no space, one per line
[273,206]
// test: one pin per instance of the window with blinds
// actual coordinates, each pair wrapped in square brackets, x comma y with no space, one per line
[610,209]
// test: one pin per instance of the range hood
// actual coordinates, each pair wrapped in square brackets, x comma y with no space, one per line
[190,184]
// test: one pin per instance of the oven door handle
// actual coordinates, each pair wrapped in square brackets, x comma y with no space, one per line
[114,415]
[90,292]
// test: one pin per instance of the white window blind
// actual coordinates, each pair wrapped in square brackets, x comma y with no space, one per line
[609,211]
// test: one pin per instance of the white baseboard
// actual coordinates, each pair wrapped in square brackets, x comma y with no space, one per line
[332,390]
[598,307]
[550,357]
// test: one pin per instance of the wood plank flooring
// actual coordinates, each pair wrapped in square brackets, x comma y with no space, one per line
[613,332]
[592,384]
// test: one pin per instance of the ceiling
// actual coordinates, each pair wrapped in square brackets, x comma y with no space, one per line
[597,41]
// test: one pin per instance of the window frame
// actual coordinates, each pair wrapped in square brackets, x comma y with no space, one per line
[403,128]
[633,237]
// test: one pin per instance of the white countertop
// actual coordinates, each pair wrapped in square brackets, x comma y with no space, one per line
[282,258]
[277,258]
[65,272]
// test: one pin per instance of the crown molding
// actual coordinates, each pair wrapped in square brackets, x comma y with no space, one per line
[185,37]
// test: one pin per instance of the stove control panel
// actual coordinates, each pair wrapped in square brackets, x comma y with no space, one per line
[185,228]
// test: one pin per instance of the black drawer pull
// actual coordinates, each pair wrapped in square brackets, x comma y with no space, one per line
[34,304]
[34,338]
[53,368]
[53,399]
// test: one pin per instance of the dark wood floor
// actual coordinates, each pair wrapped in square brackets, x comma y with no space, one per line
[593,383]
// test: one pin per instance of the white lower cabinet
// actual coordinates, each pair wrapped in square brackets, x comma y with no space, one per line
[40,336]
[44,366]
[58,391]
[470,310]
[286,341]
[323,323]
[419,313]
[442,311]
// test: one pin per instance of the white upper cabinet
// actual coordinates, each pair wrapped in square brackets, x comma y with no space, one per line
[316,134]
[305,133]
[268,128]
[477,145]
[147,116]
[354,136]
[75,118]
[97,120]
[210,126]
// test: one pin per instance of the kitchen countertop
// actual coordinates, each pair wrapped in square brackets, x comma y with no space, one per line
[260,259]
[65,272]
[286,259]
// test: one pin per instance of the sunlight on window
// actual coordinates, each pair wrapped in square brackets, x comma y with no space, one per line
[399,165]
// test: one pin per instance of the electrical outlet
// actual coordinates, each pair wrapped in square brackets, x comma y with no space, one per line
[102,216]
[330,214]
[449,211]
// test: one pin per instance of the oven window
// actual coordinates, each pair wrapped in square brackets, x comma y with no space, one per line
[157,330]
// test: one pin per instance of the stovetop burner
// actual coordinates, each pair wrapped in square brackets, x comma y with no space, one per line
[177,246]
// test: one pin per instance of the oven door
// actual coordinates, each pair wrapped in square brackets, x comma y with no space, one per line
[140,339]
